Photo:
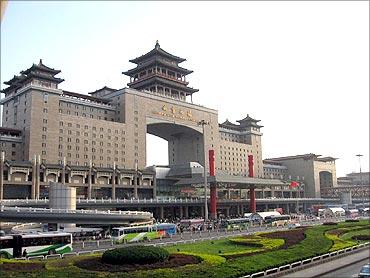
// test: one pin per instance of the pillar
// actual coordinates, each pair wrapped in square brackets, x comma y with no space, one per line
[186,212]
[37,181]
[135,181]
[227,212]
[89,180]
[64,171]
[2,159]
[161,212]
[252,193]
[154,187]
[181,212]
[213,188]
[114,181]
[33,186]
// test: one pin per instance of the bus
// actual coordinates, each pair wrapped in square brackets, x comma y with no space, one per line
[235,223]
[279,220]
[21,245]
[192,224]
[140,233]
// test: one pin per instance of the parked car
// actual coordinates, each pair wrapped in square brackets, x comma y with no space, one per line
[365,271]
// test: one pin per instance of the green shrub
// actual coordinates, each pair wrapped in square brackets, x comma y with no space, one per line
[361,237]
[135,255]
[329,223]
[352,220]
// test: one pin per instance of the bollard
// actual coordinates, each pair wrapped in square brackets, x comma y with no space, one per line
[97,243]
[83,244]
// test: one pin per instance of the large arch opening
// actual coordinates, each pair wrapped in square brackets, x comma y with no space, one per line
[181,144]
[326,179]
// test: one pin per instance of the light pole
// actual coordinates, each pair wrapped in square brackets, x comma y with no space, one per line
[359,161]
[203,123]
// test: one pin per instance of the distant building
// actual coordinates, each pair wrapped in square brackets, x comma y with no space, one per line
[355,179]
[318,172]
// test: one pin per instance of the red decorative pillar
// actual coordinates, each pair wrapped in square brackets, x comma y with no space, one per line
[213,193]
[252,193]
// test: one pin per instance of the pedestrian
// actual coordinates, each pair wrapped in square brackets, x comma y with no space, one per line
[24,254]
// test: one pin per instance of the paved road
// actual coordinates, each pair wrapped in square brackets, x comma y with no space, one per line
[333,266]
[350,271]
[92,244]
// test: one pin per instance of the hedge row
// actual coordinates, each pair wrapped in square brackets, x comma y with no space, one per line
[135,255]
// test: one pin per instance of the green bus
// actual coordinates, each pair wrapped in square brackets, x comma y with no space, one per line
[28,245]
[235,223]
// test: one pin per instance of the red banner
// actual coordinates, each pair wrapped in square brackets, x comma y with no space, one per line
[293,184]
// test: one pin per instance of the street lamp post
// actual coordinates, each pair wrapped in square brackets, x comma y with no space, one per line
[359,161]
[203,123]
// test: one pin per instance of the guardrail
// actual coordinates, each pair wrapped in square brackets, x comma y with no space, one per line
[77,211]
[162,200]
[300,264]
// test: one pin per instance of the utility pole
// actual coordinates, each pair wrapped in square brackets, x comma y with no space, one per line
[203,123]
[359,161]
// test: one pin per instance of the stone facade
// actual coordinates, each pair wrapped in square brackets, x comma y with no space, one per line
[317,172]
[108,127]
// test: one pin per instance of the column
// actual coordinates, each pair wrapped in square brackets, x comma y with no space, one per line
[135,181]
[227,212]
[37,191]
[252,201]
[186,212]
[252,193]
[89,180]
[2,159]
[33,186]
[154,187]
[181,212]
[114,181]
[135,187]
[64,171]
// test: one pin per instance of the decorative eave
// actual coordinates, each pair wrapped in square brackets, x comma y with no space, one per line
[146,64]
[15,80]
[41,67]
[11,131]
[95,99]
[45,77]
[248,119]
[105,88]
[159,80]
[157,51]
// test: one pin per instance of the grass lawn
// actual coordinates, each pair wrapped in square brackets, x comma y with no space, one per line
[212,247]
[213,265]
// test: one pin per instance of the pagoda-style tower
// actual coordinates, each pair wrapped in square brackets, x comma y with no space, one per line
[43,75]
[159,72]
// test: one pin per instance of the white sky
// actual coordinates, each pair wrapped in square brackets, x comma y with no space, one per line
[302,68]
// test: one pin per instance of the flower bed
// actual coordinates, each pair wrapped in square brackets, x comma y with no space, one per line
[174,260]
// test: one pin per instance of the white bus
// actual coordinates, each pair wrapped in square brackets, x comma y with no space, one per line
[139,233]
[21,245]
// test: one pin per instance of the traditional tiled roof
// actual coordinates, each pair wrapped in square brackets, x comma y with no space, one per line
[41,67]
[157,60]
[105,88]
[11,131]
[157,51]
[248,119]
[95,99]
